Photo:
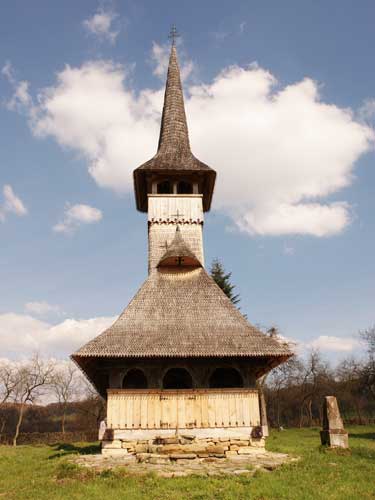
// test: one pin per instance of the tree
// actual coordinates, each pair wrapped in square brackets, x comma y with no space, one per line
[65,385]
[222,279]
[368,369]
[8,383]
[31,377]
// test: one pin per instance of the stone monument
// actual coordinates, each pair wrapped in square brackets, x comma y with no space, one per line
[333,433]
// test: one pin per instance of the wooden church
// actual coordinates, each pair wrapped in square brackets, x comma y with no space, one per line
[180,358]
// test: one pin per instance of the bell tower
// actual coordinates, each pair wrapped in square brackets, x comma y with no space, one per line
[174,187]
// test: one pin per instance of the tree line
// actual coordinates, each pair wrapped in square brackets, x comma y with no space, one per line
[294,391]
[25,385]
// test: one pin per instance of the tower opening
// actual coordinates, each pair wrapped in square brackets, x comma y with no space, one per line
[135,379]
[184,187]
[165,187]
[177,378]
[223,378]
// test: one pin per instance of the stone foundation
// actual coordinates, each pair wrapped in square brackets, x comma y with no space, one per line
[183,448]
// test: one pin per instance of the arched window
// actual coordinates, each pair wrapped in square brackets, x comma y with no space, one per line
[177,378]
[135,379]
[184,187]
[223,378]
[164,187]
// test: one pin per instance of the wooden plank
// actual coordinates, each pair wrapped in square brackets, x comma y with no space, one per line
[181,418]
[129,412]
[197,411]
[246,410]
[211,413]
[204,411]
[218,410]
[144,411]
[151,412]
[233,413]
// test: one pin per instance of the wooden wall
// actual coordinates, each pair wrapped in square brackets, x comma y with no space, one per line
[182,409]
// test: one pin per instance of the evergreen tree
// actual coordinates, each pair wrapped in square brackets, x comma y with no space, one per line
[222,279]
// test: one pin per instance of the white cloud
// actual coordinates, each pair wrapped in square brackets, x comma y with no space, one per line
[41,308]
[75,216]
[11,204]
[21,98]
[160,59]
[279,151]
[366,112]
[22,335]
[101,25]
[335,344]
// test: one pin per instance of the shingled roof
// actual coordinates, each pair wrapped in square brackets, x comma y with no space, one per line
[174,156]
[181,312]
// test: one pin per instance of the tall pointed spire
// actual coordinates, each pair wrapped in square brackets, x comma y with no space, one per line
[174,157]
[174,135]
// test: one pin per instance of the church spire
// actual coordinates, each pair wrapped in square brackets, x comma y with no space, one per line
[174,136]
[174,160]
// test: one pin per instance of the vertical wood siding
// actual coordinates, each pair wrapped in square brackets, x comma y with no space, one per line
[136,409]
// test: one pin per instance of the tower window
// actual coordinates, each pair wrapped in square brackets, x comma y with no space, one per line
[135,379]
[223,378]
[177,378]
[164,187]
[184,187]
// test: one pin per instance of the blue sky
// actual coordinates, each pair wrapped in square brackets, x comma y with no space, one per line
[290,137]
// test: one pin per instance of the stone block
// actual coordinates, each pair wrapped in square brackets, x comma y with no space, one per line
[142,457]
[231,453]
[240,442]
[114,452]
[258,443]
[214,449]
[184,456]
[115,444]
[141,448]
[128,447]
[189,437]
[246,450]
[158,459]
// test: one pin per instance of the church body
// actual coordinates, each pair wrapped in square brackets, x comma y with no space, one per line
[181,358]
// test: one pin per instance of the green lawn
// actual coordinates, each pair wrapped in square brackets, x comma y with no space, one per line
[42,472]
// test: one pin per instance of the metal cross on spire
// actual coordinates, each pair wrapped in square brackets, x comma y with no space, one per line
[173,34]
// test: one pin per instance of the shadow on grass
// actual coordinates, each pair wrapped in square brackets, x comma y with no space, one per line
[64,449]
[363,435]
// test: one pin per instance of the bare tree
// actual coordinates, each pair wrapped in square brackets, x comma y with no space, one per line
[65,385]
[368,370]
[31,378]
[285,375]
[8,381]
[8,384]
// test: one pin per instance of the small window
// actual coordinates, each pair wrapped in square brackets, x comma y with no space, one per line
[177,378]
[164,187]
[184,187]
[135,379]
[223,378]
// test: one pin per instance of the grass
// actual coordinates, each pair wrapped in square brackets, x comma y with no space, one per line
[43,472]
